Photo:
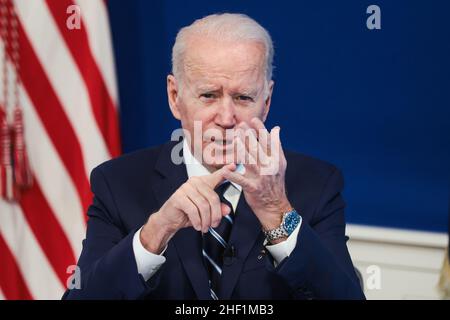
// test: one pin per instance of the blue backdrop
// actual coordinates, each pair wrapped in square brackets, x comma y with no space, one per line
[374,102]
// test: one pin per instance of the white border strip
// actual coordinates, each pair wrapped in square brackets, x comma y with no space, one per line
[397,236]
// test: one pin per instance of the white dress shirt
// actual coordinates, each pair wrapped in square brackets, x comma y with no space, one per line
[148,263]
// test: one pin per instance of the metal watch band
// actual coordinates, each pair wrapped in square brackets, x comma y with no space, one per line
[279,232]
[275,234]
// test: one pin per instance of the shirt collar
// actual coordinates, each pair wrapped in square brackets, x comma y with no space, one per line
[195,169]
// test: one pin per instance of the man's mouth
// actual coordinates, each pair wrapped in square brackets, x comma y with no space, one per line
[220,142]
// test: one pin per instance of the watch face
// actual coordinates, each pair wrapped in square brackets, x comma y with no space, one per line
[291,221]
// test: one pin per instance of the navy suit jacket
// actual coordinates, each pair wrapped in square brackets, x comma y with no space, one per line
[128,189]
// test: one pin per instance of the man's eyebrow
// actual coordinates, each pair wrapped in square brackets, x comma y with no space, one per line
[247,92]
[208,88]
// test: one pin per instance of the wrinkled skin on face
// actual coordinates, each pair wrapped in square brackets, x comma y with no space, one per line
[222,85]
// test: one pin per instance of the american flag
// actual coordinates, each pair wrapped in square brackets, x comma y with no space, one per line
[66,89]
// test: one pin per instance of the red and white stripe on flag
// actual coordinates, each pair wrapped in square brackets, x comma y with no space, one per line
[69,100]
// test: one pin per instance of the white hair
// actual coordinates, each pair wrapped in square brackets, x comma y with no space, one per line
[225,26]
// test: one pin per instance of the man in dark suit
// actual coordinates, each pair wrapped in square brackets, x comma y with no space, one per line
[225,213]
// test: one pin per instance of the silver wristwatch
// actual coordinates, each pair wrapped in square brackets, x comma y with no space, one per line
[290,221]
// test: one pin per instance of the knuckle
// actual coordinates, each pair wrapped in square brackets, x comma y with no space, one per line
[192,208]
[193,180]
[214,199]
[190,211]
[195,222]
[203,205]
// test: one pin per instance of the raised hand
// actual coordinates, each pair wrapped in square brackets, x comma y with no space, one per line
[263,182]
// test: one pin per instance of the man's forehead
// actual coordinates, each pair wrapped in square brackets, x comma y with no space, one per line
[222,58]
[242,83]
[208,77]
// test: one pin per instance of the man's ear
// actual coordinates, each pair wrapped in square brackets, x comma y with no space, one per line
[172,95]
[268,101]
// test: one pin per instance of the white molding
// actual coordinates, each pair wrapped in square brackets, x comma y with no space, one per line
[397,236]
[409,261]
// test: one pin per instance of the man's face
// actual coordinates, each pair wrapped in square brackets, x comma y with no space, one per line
[223,85]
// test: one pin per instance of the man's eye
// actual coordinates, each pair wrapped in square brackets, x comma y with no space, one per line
[244,98]
[208,95]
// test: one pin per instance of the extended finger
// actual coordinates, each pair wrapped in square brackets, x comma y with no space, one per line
[263,134]
[213,199]
[239,179]
[253,146]
[215,178]
[276,141]
[186,205]
[243,155]
[202,205]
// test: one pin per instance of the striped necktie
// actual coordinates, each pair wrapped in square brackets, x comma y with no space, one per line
[214,243]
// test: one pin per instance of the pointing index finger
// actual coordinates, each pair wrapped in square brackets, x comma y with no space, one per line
[215,178]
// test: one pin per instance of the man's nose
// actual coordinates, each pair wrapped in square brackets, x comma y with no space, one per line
[226,114]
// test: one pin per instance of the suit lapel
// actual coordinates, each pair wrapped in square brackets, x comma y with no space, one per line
[244,234]
[246,230]
[187,241]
